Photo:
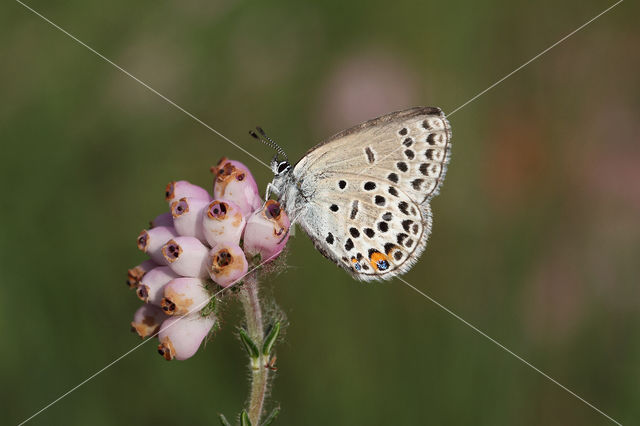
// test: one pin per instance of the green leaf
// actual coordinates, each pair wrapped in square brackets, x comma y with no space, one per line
[272,416]
[223,420]
[271,339]
[244,419]
[249,345]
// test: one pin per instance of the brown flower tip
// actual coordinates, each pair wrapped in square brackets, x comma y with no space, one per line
[272,210]
[217,210]
[166,349]
[134,275]
[147,328]
[221,260]
[168,306]
[171,251]
[179,207]
[214,169]
[143,240]
[142,292]
[168,191]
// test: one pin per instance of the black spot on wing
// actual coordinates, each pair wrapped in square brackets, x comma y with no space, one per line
[370,157]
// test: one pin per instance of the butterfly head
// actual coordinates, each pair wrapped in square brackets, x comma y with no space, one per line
[280,168]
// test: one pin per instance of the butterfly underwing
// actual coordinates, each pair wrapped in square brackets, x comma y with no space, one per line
[363,195]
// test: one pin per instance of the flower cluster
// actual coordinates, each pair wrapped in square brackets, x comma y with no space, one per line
[206,243]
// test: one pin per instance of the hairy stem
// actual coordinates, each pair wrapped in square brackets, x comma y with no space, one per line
[255,329]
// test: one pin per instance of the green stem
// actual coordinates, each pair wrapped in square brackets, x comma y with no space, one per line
[255,329]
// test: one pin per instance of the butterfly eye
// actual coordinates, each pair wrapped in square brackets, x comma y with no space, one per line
[282,167]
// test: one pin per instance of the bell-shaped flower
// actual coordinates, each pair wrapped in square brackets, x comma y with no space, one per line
[135,274]
[182,188]
[234,182]
[187,215]
[151,241]
[180,337]
[184,295]
[147,320]
[186,256]
[150,288]
[223,222]
[267,231]
[227,264]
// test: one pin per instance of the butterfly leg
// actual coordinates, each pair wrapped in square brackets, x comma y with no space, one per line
[267,194]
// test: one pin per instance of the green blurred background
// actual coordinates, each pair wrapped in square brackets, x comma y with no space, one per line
[536,234]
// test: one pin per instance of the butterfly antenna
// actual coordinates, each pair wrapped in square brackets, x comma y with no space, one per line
[271,143]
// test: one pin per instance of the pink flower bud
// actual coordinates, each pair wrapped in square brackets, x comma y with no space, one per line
[182,295]
[151,241]
[136,273]
[180,337]
[227,264]
[147,320]
[187,256]
[223,222]
[182,188]
[267,231]
[163,219]
[150,288]
[234,182]
[187,216]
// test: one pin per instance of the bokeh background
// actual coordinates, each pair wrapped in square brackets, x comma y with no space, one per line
[536,238]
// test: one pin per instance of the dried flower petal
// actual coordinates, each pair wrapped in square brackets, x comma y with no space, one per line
[163,219]
[136,273]
[227,264]
[234,182]
[183,188]
[180,337]
[151,241]
[150,288]
[223,222]
[187,215]
[182,295]
[267,231]
[186,256]
[147,320]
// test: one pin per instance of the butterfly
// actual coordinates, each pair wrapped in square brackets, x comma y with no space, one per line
[363,195]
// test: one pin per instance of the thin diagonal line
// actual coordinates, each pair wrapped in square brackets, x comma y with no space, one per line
[535,57]
[151,89]
[146,340]
[248,153]
[510,74]
[509,351]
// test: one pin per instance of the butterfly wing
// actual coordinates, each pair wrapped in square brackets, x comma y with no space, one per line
[365,191]
[368,227]
[409,148]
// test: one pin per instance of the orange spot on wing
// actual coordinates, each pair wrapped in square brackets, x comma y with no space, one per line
[375,258]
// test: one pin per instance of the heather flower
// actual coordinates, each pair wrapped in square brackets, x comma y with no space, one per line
[180,337]
[183,188]
[227,264]
[183,294]
[149,289]
[267,231]
[235,183]
[147,320]
[186,256]
[135,274]
[223,222]
[187,215]
[151,241]
[197,251]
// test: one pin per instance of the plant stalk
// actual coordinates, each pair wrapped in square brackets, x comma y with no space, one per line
[255,329]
